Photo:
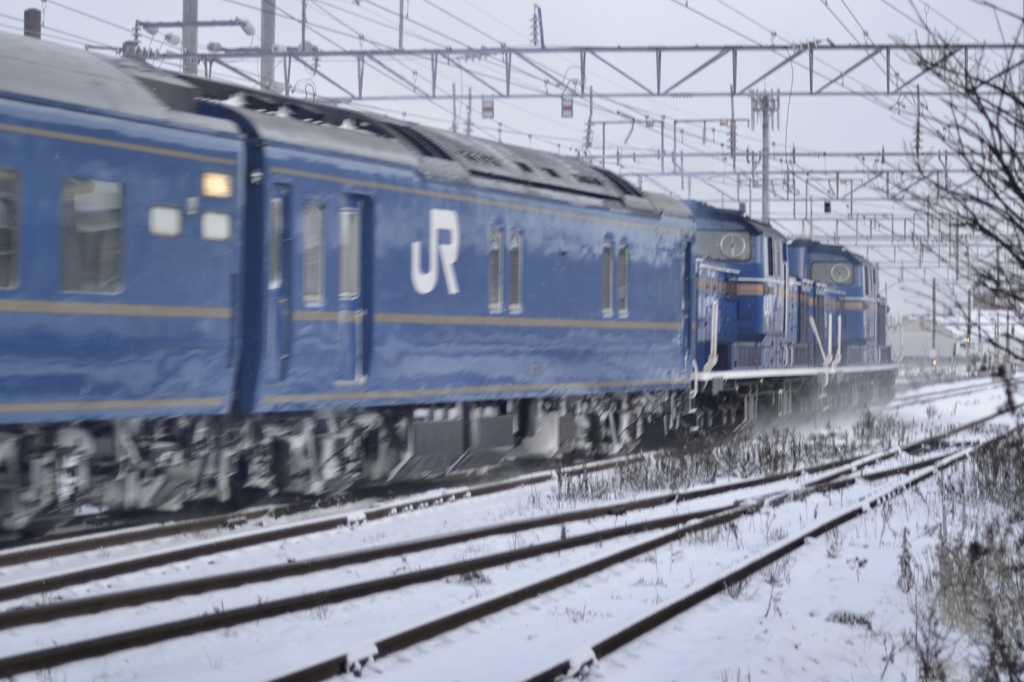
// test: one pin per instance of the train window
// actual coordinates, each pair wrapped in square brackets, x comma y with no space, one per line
[312,253]
[215,226]
[349,254]
[623,280]
[8,228]
[276,235]
[723,245]
[164,221]
[832,272]
[770,249]
[494,270]
[92,216]
[607,300]
[515,272]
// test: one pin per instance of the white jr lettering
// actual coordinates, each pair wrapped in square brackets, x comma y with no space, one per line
[424,282]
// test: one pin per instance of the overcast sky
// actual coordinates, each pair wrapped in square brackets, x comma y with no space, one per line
[826,124]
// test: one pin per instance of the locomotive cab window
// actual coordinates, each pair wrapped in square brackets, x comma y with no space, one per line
[494,293]
[729,245]
[348,257]
[832,272]
[92,214]
[623,280]
[164,221]
[515,272]
[8,228]
[607,294]
[312,254]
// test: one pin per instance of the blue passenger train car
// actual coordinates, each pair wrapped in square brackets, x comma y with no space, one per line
[214,293]
[119,279]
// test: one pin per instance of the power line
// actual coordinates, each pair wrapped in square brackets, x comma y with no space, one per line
[86,14]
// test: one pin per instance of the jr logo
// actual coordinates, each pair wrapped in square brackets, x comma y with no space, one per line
[424,282]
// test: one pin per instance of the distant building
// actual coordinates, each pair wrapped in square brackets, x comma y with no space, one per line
[917,339]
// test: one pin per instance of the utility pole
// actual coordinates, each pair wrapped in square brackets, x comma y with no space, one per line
[455,112]
[934,321]
[588,137]
[765,104]
[302,45]
[469,113]
[537,27]
[969,340]
[190,35]
[268,18]
[401,24]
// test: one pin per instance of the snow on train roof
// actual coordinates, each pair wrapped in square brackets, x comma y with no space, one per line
[434,152]
[833,249]
[457,157]
[40,71]
[708,215]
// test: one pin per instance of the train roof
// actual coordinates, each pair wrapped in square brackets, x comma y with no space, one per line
[437,153]
[36,70]
[705,213]
[832,249]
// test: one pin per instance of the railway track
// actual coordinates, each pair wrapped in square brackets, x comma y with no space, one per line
[953,392]
[803,482]
[112,538]
[353,659]
[579,660]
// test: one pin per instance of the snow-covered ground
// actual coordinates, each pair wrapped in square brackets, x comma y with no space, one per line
[833,610]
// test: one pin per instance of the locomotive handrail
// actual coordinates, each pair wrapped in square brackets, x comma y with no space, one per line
[713,350]
[817,337]
[718,268]
[839,341]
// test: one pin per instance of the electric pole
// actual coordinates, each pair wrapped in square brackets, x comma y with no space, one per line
[302,45]
[190,35]
[935,322]
[401,24]
[766,105]
[267,20]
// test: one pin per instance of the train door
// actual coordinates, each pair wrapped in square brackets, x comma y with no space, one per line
[279,303]
[353,321]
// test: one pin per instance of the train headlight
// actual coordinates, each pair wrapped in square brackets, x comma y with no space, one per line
[218,185]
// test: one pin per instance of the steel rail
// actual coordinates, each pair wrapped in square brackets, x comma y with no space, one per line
[99,646]
[132,564]
[50,583]
[135,597]
[904,400]
[104,539]
[576,664]
[353,659]
[61,654]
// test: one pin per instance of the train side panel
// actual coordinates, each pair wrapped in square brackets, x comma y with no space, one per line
[123,295]
[465,294]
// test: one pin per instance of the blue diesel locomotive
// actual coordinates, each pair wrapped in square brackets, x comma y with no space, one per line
[211,293]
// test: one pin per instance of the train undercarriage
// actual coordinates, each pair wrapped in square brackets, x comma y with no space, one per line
[55,471]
